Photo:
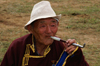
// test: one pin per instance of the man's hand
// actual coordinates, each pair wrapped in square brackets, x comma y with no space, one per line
[68,47]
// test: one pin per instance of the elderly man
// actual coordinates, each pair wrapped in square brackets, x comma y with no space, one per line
[38,48]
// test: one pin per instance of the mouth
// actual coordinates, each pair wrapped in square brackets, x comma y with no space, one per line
[48,36]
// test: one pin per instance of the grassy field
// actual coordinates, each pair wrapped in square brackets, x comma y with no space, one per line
[80,20]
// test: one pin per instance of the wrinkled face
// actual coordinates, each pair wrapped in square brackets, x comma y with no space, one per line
[43,29]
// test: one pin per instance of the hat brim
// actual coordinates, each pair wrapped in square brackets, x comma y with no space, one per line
[58,17]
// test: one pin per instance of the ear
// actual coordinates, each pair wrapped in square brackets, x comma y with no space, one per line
[29,28]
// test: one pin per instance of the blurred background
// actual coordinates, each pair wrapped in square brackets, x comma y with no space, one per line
[80,20]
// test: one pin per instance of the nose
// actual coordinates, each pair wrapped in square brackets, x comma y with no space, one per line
[48,30]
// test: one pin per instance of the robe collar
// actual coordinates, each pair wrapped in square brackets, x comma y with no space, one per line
[32,46]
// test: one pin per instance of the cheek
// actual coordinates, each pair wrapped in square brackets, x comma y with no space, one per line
[55,30]
[36,33]
[39,34]
[41,31]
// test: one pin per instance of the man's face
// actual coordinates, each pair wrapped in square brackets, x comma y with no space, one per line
[43,29]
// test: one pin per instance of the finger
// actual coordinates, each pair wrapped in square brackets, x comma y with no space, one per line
[65,45]
[70,49]
[70,41]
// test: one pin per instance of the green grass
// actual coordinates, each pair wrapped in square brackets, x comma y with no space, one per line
[80,20]
[18,8]
[83,23]
[92,55]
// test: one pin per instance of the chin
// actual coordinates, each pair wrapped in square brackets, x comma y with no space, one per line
[48,42]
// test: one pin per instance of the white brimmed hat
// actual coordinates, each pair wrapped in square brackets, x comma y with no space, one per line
[41,10]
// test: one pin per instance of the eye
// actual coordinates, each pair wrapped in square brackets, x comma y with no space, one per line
[52,25]
[42,26]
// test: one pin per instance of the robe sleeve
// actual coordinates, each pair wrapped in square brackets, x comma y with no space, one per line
[8,59]
[77,60]
[14,54]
